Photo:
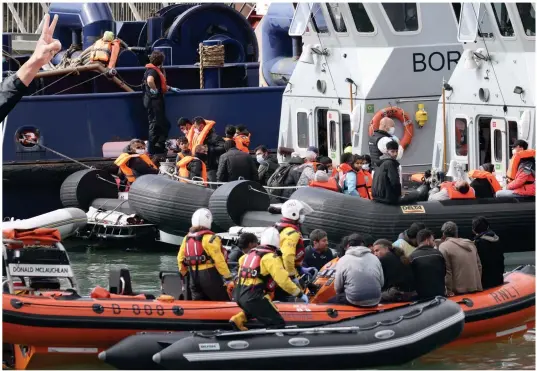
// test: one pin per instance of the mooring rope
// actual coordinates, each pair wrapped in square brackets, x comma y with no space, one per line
[210,56]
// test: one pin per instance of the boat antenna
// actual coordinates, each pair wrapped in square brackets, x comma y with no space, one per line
[323,49]
[490,60]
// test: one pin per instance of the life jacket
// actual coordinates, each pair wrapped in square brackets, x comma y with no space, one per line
[300,250]
[195,254]
[200,139]
[190,136]
[242,142]
[374,150]
[364,180]
[343,169]
[251,267]
[331,184]
[163,83]
[124,158]
[515,163]
[482,174]
[183,168]
[101,51]
[456,195]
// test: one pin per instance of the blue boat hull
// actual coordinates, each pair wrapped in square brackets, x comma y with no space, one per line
[78,126]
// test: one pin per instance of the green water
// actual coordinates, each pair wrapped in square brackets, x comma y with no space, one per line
[91,267]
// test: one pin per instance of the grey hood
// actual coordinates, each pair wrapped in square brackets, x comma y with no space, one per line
[358,251]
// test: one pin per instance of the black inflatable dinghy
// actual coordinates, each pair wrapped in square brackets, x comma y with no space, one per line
[392,337]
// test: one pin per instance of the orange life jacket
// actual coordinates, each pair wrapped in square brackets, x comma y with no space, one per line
[39,236]
[200,138]
[364,180]
[343,169]
[251,267]
[456,195]
[101,51]
[515,162]
[300,250]
[242,142]
[482,174]
[163,83]
[331,184]
[124,158]
[190,136]
[183,168]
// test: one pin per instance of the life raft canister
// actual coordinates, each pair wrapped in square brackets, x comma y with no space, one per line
[251,267]
[399,114]
[515,162]
[482,174]
[456,195]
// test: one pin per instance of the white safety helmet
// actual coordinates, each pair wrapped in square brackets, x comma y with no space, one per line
[202,218]
[295,210]
[270,237]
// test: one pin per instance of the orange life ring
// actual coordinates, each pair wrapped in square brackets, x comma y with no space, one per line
[399,114]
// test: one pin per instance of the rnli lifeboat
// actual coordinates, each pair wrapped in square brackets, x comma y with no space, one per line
[499,312]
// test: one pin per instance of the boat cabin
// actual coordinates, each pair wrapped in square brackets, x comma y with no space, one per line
[490,97]
[358,58]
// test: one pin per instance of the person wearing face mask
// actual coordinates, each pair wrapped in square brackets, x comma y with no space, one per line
[306,171]
[185,127]
[267,164]
[364,179]
[204,133]
[155,87]
[134,162]
[194,168]
[235,164]
[379,140]
[521,172]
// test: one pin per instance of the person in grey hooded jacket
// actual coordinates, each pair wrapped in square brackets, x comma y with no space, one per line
[359,276]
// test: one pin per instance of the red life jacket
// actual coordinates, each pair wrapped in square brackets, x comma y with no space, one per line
[251,267]
[194,252]
[300,251]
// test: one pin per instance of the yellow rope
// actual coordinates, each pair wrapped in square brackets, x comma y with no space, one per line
[210,56]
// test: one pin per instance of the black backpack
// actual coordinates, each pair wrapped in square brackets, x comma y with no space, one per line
[278,179]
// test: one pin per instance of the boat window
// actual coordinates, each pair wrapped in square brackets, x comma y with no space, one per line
[302,128]
[503,20]
[461,137]
[346,130]
[299,24]
[333,139]
[497,145]
[360,18]
[527,16]
[317,18]
[456,10]
[468,22]
[403,16]
[334,10]
[513,136]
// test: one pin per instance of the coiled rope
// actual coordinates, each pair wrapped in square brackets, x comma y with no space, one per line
[210,56]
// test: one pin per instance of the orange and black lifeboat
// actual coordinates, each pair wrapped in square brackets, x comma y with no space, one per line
[498,312]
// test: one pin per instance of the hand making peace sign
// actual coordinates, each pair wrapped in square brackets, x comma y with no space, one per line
[46,46]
